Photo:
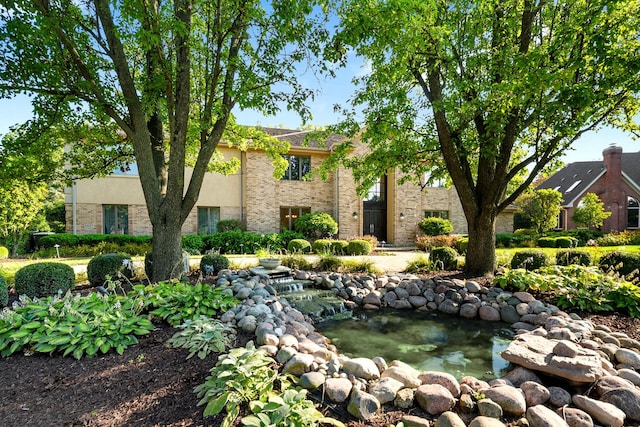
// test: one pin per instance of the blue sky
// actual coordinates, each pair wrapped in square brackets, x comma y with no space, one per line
[337,91]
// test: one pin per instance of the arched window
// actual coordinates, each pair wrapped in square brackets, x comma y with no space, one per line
[633,213]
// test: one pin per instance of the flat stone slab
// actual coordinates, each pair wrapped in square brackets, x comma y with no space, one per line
[537,353]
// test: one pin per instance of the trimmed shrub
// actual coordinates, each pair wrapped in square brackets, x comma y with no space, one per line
[573,257]
[426,243]
[316,225]
[43,279]
[299,246]
[105,265]
[624,263]
[444,258]
[359,247]
[566,242]
[4,252]
[329,262]
[434,226]
[339,247]
[193,244]
[462,244]
[373,240]
[212,263]
[514,240]
[529,260]
[621,238]
[4,292]
[322,246]
[547,242]
[229,225]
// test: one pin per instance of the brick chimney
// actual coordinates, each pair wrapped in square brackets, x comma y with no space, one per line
[613,195]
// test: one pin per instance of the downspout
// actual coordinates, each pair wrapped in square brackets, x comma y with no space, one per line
[336,203]
[74,208]
[242,162]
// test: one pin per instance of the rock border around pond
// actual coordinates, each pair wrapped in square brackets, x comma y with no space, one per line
[592,374]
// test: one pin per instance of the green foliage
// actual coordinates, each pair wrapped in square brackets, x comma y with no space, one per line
[4,291]
[20,204]
[359,266]
[241,376]
[109,266]
[202,336]
[322,246]
[328,262]
[426,243]
[513,240]
[289,409]
[622,238]
[339,247]
[420,264]
[212,263]
[373,240]
[193,244]
[73,324]
[229,225]
[297,262]
[89,245]
[236,241]
[530,260]
[4,252]
[547,242]
[359,247]
[444,258]
[316,225]
[43,279]
[541,208]
[566,242]
[590,212]
[299,246]
[577,287]
[148,264]
[462,244]
[573,256]
[177,302]
[434,226]
[623,263]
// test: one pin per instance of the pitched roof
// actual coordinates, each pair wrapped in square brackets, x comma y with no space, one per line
[631,167]
[298,138]
[574,179]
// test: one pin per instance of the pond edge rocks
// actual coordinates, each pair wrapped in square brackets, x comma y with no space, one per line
[568,371]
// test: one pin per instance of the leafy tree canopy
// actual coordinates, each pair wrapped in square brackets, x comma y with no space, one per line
[590,212]
[541,208]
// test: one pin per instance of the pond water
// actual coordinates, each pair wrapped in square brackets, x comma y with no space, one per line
[426,341]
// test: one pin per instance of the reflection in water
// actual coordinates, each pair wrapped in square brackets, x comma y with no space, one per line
[427,341]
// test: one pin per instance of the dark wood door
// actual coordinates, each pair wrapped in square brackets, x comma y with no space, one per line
[374,221]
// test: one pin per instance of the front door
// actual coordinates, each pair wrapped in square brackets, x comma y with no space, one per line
[374,221]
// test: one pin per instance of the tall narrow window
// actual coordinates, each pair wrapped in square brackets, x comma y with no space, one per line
[290,214]
[377,192]
[299,166]
[633,213]
[208,220]
[115,219]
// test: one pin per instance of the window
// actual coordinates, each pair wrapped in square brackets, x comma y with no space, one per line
[289,215]
[574,185]
[560,225]
[115,219]
[436,214]
[299,166]
[208,220]
[377,192]
[633,213]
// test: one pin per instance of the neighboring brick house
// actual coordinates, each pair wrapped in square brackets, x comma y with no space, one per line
[115,204]
[615,179]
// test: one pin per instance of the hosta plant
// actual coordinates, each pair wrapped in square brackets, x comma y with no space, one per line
[72,324]
[202,336]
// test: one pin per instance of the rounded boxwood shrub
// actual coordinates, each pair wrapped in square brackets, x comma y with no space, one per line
[566,242]
[462,244]
[193,244]
[624,263]
[299,246]
[4,291]
[4,252]
[44,279]
[316,225]
[434,226]
[529,260]
[547,242]
[444,258]
[212,263]
[339,247]
[573,257]
[322,246]
[110,265]
[359,247]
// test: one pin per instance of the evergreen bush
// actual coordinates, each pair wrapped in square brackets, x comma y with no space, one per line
[566,242]
[193,244]
[212,263]
[547,242]
[4,292]
[316,225]
[624,263]
[44,279]
[573,257]
[4,252]
[339,247]
[229,225]
[322,246]
[462,244]
[359,247]
[444,258]
[299,246]
[101,266]
[529,260]
[434,226]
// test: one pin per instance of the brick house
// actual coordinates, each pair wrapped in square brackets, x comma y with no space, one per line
[615,179]
[115,204]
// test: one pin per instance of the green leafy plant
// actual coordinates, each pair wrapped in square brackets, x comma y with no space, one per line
[177,302]
[360,266]
[316,225]
[622,263]
[322,246]
[112,266]
[530,260]
[573,256]
[241,376]
[193,244]
[212,263]
[4,291]
[4,252]
[229,225]
[43,279]
[339,247]
[419,264]
[444,258]
[202,336]
[299,246]
[435,226]
[298,262]
[426,243]
[328,262]
[72,324]
[359,247]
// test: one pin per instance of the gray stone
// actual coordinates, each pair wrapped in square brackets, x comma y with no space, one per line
[404,398]
[628,357]
[385,389]
[534,393]
[448,307]
[413,421]
[541,416]
[631,375]
[575,417]
[449,419]
[473,286]
[486,312]
[519,375]
[362,405]
[337,389]
[417,301]
[627,399]
[489,408]
[444,379]
[298,364]
[372,299]
[469,311]
[603,412]
[524,296]
[510,399]
[400,305]
[559,397]
[508,314]
[483,421]
[434,398]
[361,367]
[403,373]
[312,380]
[608,383]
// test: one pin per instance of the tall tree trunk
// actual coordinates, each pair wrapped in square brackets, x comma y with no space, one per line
[481,252]
[167,252]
